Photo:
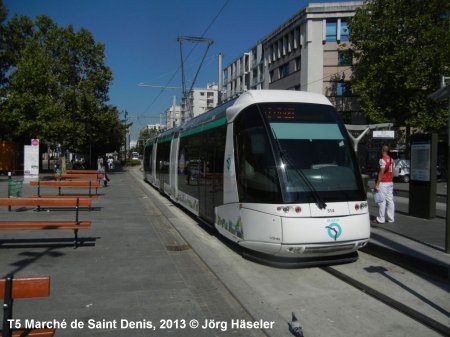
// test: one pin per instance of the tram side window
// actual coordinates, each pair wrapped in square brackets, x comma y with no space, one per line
[213,154]
[163,157]
[255,166]
[148,158]
[189,164]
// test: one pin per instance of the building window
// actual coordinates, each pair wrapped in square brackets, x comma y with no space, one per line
[298,63]
[284,70]
[343,89]
[345,32]
[345,58]
[290,41]
[254,76]
[331,31]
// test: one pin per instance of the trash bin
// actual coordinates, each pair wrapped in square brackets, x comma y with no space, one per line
[14,188]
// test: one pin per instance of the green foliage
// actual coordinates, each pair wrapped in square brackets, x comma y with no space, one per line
[402,50]
[56,88]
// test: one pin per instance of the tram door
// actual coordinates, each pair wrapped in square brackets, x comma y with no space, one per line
[211,181]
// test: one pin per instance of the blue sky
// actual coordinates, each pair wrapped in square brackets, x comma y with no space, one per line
[140,37]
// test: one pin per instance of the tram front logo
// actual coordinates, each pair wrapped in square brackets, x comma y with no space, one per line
[334,231]
[228,161]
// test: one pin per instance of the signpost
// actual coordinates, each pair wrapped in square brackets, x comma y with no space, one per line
[31,160]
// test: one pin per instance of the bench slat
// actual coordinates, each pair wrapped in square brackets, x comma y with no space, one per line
[66,196]
[29,287]
[31,225]
[66,183]
[85,176]
[81,171]
[41,201]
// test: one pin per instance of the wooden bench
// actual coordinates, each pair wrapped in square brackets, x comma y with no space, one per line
[72,203]
[91,197]
[15,288]
[67,184]
[81,171]
[85,176]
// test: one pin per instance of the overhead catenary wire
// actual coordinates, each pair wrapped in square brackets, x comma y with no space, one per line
[190,52]
[183,79]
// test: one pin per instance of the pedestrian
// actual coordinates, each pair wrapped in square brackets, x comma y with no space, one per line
[110,163]
[104,176]
[384,184]
[99,162]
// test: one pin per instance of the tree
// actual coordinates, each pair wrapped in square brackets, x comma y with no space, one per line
[144,135]
[3,14]
[57,87]
[402,50]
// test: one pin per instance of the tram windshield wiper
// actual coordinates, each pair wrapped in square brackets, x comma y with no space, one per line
[286,160]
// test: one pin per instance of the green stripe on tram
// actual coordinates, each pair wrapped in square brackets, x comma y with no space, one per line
[205,127]
[197,129]
[164,139]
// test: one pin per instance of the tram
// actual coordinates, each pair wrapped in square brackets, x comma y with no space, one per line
[273,171]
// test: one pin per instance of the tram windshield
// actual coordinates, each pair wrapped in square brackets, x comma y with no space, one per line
[294,152]
[316,159]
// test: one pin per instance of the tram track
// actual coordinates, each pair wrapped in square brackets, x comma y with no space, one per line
[308,291]
[391,302]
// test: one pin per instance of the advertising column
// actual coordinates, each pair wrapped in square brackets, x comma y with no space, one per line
[31,160]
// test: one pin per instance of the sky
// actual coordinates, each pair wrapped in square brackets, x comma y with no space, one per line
[140,38]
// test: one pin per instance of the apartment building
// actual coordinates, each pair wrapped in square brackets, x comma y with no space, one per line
[174,115]
[308,52]
[199,101]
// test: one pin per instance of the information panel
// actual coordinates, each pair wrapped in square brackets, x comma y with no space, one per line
[420,160]
[422,186]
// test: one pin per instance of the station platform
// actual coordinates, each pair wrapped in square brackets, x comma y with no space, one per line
[412,242]
[134,268]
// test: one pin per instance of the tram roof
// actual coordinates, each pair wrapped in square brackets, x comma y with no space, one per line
[232,107]
[288,96]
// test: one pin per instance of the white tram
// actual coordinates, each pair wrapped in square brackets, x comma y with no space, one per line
[273,171]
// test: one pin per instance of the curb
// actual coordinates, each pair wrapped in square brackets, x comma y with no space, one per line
[418,264]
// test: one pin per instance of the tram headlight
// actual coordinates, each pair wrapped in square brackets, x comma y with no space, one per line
[288,209]
[360,206]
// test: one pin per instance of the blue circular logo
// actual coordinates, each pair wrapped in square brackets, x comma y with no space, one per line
[334,231]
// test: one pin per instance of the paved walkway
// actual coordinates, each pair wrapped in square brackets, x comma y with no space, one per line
[410,240]
[133,267]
